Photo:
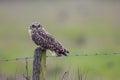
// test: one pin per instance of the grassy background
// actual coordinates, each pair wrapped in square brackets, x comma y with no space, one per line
[81,26]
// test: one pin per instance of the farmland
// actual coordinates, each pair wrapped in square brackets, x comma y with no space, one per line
[81,26]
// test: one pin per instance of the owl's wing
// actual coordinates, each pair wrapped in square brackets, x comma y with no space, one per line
[46,36]
[52,44]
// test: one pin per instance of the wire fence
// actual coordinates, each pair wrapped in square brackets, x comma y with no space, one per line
[70,55]
[26,76]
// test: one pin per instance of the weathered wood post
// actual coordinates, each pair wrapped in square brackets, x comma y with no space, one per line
[39,64]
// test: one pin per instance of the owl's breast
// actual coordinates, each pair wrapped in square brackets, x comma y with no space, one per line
[33,36]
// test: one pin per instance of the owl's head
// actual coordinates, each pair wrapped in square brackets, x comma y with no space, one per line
[36,26]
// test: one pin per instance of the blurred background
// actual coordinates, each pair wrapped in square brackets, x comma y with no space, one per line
[82,26]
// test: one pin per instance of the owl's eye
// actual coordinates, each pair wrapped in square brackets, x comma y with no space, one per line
[33,26]
[38,26]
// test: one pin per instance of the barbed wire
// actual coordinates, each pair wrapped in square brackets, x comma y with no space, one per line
[15,59]
[95,54]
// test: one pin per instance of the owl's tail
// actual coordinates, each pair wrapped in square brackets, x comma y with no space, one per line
[64,52]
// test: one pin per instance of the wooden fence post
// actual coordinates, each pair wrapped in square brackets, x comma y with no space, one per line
[39,64]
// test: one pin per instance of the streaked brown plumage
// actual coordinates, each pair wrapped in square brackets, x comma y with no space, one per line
[45,40]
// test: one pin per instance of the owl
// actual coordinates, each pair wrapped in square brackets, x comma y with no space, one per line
[45,40]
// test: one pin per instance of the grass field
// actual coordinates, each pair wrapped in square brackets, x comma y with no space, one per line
[82,27]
